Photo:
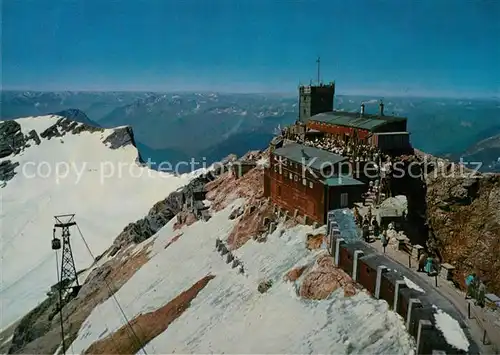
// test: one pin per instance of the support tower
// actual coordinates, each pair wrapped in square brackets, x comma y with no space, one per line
[67,273]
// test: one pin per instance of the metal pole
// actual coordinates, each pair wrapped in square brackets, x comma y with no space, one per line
[318,61]
[409,261]
[436,280]
[468,310]
[484,337]
[59,277]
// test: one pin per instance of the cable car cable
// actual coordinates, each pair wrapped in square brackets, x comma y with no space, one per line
[114,297]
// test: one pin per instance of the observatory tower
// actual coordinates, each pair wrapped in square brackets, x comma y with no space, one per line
[314,99]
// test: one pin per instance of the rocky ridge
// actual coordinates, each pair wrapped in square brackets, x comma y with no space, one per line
[13,141]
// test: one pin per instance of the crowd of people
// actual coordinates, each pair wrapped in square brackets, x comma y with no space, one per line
[368,224]
[476,289]
[378,189]
[355,151]
[375,193]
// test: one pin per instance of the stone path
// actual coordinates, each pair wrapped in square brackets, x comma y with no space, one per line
[480,320]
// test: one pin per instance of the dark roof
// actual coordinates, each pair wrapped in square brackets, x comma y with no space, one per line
[354,119]
[300,153]
[342,180]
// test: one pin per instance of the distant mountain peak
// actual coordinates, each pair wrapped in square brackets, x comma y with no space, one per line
[77,115]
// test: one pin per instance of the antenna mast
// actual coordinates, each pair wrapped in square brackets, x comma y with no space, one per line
[319,62]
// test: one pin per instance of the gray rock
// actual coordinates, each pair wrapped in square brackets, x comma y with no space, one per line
[236,263]
[162,212]
[11,138]
[264,286]
[236,213]
[7,170]
[121,137]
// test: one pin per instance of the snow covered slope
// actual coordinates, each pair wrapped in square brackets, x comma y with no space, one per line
[230,315]
[66,173]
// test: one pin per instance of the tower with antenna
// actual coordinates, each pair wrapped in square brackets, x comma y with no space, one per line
[316,97]
[66,271]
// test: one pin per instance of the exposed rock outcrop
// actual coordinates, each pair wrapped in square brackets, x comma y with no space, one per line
[64,125]
[464,214]
[323,278]
[120,138]
[12,139]
[315,241]
[162,212]
[454,211]
[7,170]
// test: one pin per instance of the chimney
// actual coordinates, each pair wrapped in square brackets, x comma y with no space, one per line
[362,109]
[381,108]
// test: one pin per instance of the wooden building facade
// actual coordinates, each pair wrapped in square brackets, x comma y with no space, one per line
[310,181]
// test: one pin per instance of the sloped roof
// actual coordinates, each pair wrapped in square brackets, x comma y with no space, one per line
[310,156]
[354,119]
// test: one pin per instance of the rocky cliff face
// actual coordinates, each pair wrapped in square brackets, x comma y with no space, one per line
[455,212]
[463,213]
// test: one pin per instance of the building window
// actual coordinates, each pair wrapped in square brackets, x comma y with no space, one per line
[310,184]
[275,169]
[291,176]
[344,200]
[304,182]
[296,178]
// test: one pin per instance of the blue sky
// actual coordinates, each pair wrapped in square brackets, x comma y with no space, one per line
[407,47]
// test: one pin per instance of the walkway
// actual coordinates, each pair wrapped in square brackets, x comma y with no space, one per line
[480,319]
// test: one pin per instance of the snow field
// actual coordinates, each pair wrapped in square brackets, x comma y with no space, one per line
[103,208]
[229,315]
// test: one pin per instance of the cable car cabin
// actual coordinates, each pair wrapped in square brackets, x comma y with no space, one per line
[56,244]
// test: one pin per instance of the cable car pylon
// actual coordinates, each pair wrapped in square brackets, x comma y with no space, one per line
[67,277]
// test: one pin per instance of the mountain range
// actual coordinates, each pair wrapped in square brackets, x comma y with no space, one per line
[177,127]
